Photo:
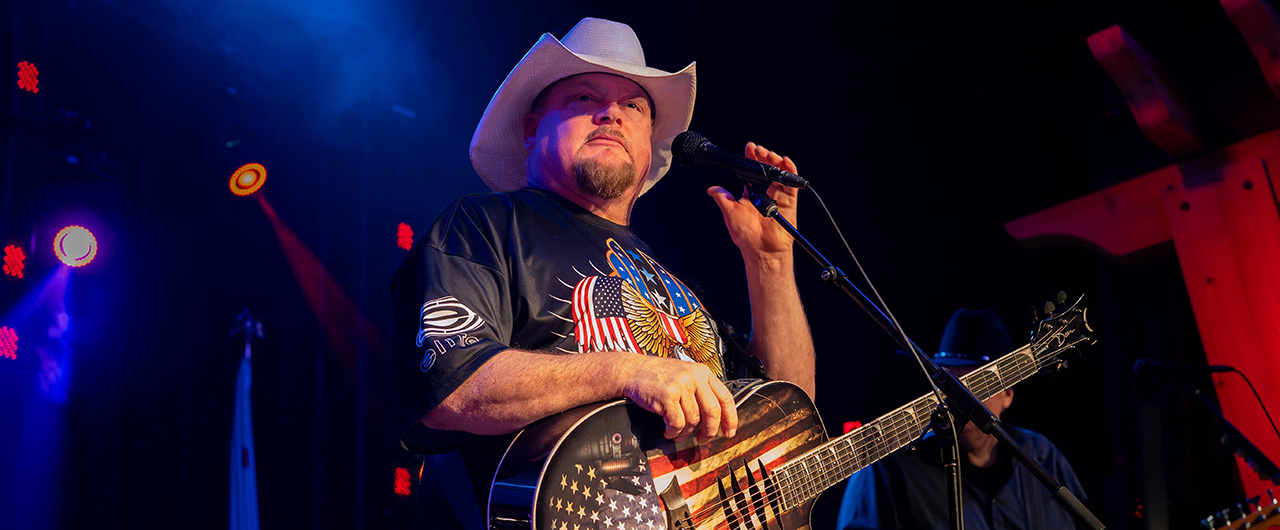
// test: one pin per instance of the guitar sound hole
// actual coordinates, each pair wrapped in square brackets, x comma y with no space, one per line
[745,508]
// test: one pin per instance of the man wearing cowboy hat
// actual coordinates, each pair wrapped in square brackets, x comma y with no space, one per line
[534,299]
[908,490]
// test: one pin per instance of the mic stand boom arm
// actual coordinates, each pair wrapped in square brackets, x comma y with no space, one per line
[959,400]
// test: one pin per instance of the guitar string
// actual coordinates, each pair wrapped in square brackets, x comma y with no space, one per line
[1018,366]
[905,420]
[769,497]
[905,416]
[845,453]
[1021,366]
[912,417]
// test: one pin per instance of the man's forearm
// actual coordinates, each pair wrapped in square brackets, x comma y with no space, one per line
[780,334]
[516,388]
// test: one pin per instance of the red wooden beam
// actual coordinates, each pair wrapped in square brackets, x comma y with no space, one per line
[1260,26]
[1152,99]
[1118,221]
[1221,213]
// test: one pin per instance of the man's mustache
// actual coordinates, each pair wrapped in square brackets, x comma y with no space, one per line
[611,133]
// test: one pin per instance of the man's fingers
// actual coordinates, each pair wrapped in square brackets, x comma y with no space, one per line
[723,198]
[691,416]
[711,414]
[728,409]
[789,165]
[761,154]
[674,417]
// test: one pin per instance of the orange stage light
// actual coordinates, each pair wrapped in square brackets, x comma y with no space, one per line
[248,179]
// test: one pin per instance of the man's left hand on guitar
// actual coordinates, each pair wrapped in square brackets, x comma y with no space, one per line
[688,396]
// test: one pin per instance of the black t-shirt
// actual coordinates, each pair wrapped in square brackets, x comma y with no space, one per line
[528,270]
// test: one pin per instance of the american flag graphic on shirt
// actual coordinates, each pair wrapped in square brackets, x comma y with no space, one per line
[600,321]
[640,307]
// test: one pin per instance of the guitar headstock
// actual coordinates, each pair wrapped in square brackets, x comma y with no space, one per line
[1060,328]
[1254,514]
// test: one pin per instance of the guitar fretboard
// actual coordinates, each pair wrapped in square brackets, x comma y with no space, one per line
[805,477]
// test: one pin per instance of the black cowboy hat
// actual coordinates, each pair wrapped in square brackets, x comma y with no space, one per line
[973,338]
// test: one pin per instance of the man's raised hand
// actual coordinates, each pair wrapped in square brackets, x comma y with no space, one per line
[755,235]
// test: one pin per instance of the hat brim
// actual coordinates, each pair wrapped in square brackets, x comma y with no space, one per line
[497,148]
[948,362]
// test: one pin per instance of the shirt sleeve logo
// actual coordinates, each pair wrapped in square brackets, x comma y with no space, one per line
[446,316]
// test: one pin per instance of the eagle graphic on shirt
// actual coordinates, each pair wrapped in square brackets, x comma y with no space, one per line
[642,308]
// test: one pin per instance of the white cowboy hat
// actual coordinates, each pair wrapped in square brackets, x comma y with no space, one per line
[594,45]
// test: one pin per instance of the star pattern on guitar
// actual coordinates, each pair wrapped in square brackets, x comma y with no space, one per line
[587,499]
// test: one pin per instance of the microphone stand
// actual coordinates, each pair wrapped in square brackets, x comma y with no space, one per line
[1234,440]
[960,403]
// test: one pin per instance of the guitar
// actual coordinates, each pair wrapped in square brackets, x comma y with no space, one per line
[1266,516]
[606,466]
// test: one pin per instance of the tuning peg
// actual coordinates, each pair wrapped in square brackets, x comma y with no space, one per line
[1255,502]
[1273,497]
[1208,522]
[1061,298]
[1048,308]
[1225,514]
[1243,512]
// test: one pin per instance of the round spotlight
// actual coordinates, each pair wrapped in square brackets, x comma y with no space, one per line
[248,179]
[75,246]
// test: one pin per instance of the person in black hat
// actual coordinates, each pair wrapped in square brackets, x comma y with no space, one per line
[908,490]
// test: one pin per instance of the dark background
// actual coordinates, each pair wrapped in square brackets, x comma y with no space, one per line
[925,126]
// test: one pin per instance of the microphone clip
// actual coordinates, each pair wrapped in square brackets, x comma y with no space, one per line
[764,204]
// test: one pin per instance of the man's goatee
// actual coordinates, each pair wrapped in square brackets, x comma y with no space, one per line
[606,181]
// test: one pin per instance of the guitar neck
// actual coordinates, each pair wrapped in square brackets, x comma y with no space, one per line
[805,477]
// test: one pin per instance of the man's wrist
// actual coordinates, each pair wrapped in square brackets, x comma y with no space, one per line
[619,370]
[770,263]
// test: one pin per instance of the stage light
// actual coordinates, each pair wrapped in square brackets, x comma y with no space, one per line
[402,482]
[404,236]
[9,345]
[28,77]
[248,179]
[75,246]
[13,257]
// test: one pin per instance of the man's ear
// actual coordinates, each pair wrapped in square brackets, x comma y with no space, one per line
[531,121]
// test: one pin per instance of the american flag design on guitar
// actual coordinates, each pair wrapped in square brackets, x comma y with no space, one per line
[615,471]
[590,497]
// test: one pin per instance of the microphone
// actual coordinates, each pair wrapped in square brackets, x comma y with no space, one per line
[693,149]
[1153,366]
